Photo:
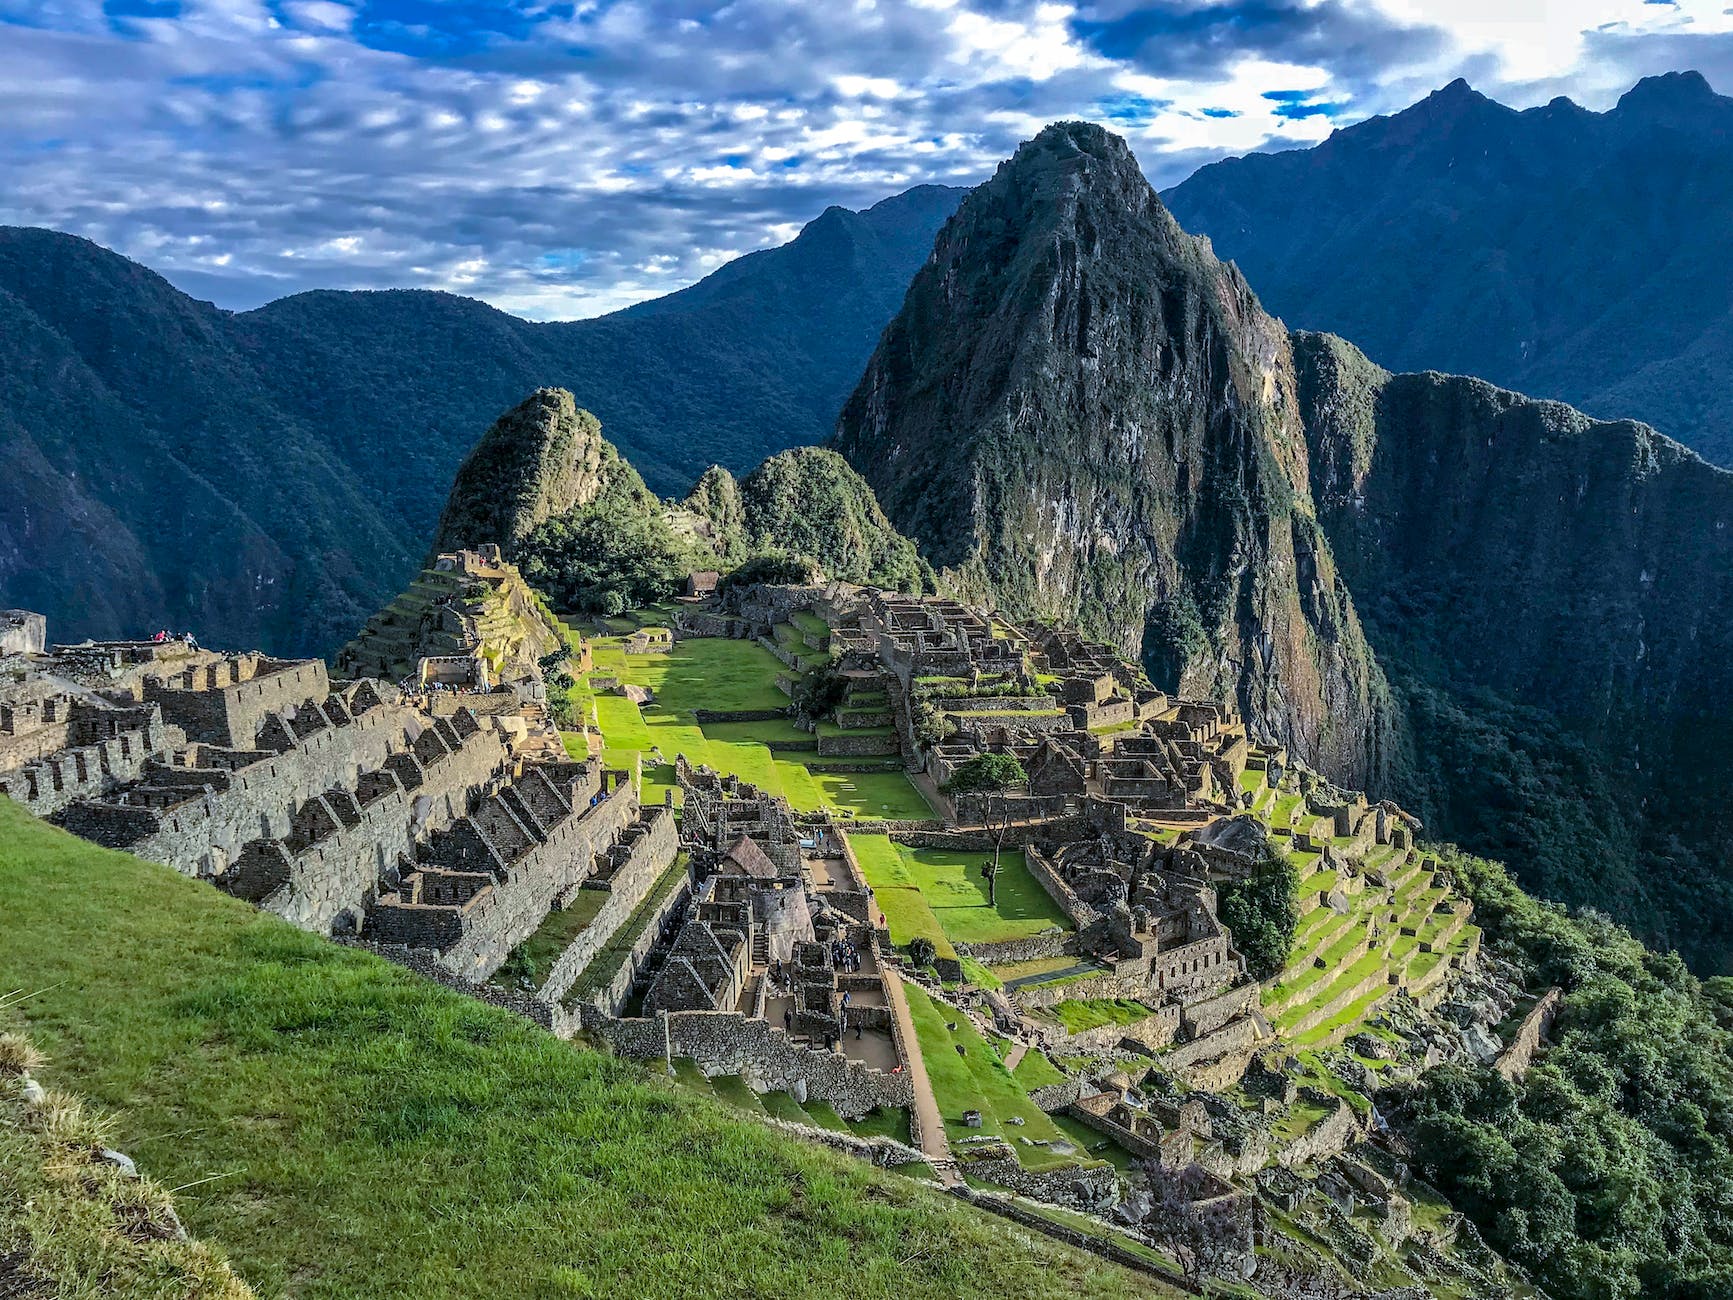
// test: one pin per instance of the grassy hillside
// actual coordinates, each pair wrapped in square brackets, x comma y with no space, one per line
[367,1133]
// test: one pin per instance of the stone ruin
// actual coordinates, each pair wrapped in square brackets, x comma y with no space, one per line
[346,808]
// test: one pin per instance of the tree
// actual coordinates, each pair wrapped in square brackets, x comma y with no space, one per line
[922,952]
[1262,911]
[991,776]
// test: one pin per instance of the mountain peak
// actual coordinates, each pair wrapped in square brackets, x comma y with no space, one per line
[1668,93]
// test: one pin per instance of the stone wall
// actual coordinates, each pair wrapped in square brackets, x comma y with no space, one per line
[1210,1014]
[1047,876]
[1514,1061]
[1235,1036]
[1332,1135]
[328,884]
[1090,1188]
[724,1042]
[857,744]
[515,907]
[253,799]
[55,781]
[227,702]
[650,856]
[1057,1096]
[22,632]
[1154,1031]
[606,1001]
[1048,943]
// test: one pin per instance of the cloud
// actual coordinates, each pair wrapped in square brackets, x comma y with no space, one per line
[567,157]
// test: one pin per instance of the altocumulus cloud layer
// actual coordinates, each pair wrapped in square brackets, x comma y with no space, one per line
[564,159]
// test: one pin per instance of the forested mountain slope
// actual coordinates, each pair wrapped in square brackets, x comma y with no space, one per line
[269,478]
[1569,254]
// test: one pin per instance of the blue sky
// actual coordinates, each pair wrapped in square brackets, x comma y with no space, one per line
[562,158]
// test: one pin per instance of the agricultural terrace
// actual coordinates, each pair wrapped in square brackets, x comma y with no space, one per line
[941,894]
[401,1140]
[1392,924]
[727,676]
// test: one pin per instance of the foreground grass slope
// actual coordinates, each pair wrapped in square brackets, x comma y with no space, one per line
[72,1224]
[367,1133]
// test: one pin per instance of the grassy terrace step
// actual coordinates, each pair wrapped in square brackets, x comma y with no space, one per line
[401,1140]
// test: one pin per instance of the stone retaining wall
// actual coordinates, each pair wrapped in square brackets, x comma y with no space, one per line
[1332,1135]
[740,715]
[763,1055]
[516,906]
[1091,1188]
[650,857]
[1048,943]
[1154,1031]
[611,998]
[1235,1036]
[857,745]
[1211,1013]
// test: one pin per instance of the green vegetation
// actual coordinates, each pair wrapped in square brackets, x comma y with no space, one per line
[1263,911]
[1078,1014]
[1605,1170]
[723,675]
[354,1130]
[532,959]
[72,1225]
[949,894]
[609,554]
[810,502]
[976,1079]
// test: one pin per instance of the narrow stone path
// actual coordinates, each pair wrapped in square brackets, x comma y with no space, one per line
[1014,1057]
[934,1144]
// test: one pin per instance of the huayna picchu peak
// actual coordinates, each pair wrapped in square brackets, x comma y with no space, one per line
[1155,804]
[1080,413]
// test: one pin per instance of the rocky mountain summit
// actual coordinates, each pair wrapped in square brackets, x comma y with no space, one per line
[271,477]
[1551,595]
[1080,413]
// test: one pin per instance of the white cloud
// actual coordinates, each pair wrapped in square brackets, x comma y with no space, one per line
[568,162]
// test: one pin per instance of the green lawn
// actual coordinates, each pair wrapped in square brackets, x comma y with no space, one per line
[953,890]
[343,1128]
[536,954]
[727,676]
[977,1080]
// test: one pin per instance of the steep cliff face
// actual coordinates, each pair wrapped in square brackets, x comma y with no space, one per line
[540,459]
[1080,413]
[1553,597]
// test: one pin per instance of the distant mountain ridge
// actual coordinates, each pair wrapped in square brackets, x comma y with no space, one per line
[271,477]
[1565,253]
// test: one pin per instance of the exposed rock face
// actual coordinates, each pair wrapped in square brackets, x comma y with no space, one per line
[1080,413]
[540,459]
[1553,597]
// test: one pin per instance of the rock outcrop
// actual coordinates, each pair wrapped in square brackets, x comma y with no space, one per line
[542,458]
[1080,413]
